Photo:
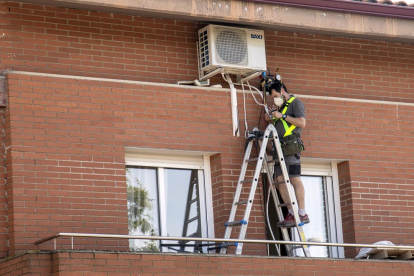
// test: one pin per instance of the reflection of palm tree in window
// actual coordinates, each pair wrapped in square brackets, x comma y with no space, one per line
[140,212]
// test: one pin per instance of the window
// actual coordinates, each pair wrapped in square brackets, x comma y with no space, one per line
[169,194]
[323,207]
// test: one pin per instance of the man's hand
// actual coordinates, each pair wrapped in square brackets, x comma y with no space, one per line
[277,114]
[268,119]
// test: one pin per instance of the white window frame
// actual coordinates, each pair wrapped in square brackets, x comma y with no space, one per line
[172,159]
[329,170]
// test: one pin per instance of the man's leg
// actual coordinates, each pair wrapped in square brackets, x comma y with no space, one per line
[299,190]
[294,170]
[297,184]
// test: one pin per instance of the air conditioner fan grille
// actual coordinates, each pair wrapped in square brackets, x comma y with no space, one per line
[231,46]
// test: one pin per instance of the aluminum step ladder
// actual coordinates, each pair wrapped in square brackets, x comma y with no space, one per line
[262,162]
[192,199]
[192,216]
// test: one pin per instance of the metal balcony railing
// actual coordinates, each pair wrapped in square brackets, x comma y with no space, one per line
[105,236]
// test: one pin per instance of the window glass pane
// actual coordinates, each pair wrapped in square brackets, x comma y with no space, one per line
[142,200]
[182,207]
[315,205]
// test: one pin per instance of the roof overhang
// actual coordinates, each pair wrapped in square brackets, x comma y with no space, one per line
[348,6]
[326,17]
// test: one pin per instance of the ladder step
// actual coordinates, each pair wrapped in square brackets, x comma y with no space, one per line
[252,160]
[231,223]
[276,161]
[192,201]
[247,181]
[285,204]
[192,235]
[192,219]
[241,202]
[213,248]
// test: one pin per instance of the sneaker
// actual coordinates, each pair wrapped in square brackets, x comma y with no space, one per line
[290,220]
[304,219]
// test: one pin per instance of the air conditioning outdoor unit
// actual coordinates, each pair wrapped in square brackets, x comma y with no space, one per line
[237,50]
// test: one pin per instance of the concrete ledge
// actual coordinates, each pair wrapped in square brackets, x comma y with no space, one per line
[326,98]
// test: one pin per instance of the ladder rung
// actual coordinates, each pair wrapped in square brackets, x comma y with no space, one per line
[192,201]
[252,159]
[285,204]
[231,223]
[191,220]
[241,202]
[208,244]
[276,161]
[193,235]
[247,181]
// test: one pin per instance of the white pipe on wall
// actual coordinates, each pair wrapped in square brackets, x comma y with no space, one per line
[234,110]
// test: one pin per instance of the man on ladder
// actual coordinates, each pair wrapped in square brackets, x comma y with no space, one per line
[286,142]
[289,120]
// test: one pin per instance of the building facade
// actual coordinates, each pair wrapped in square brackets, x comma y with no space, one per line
[98,138]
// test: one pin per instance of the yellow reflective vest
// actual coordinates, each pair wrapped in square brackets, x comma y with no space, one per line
[288,129]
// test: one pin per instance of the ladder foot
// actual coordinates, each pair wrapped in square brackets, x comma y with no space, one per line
[225,245]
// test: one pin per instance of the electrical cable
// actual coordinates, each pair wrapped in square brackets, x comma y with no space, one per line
[244,103]
[264,189]
[260,194]
[222,75]
[260,93]
[268,222]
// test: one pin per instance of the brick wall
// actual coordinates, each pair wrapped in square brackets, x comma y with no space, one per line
[121,264]
[68,138]
[347,206]
[39,264]
[4,236]
[80,42]
[376,183]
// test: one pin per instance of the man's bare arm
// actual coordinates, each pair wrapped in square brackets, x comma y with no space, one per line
[299,122]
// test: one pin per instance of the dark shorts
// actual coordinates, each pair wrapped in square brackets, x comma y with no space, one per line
[292,165]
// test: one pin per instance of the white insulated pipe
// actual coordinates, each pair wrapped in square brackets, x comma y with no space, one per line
[234,110]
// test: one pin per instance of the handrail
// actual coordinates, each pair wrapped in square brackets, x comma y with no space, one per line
[72,235]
